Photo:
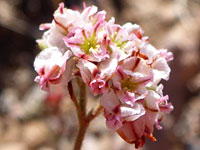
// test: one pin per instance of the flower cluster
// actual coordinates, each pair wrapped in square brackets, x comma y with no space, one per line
[116,62]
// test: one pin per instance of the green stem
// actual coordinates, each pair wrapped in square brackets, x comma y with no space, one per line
[83,126]
[80,137]
[74,100]
[84,120]
[82,96]
[94,112]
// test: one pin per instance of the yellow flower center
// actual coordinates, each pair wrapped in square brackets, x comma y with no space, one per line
[129,85]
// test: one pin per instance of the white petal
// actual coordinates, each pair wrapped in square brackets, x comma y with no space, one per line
[54,37]
[152,100]
[69,18]
[131,27]
[149,50]
[47,58]
[109,101]
[143,68]
[86,69]
[132,113]
[87,12]
[127,132]
[161,69]
[108,67]
[129,63]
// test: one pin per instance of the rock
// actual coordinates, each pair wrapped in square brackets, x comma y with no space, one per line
[12,132]
[46,148]
[13,146]
[36,133]
[65,144]
[33,102]
[8,98]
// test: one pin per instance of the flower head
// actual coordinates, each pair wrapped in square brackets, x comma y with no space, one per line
[51,66]
[116,62]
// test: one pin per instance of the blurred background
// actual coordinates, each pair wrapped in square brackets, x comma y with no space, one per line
[31,119]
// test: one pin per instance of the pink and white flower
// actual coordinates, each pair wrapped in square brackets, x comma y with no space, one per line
[97,76]
[89,43]
[136,104]
[117,63]
[64,21]
[53,67]
[121,41]
[117,113]
[130,80]
[136,121]
[158,60]
[136,131]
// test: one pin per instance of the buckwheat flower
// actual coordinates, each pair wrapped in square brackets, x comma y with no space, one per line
[91,45]
[134,29]
[130,80]
[136,104]
[167,55]
[67,19]
[136,131]
[106,70]
[89,42]
[116,62]
[133,122]
[64,21]
[117,113]
[98,75]
[52,67]
[158,60]
[90,15]
[53,38]
[87,69]
[121,41]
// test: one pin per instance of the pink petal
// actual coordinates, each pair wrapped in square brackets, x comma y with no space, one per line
[129,98]
[151,118]
[50,65]
[161,69]
[67,19]
[45,26]
[87,12]
[167,55]
[149,50]
[164,105]
[86,69]
[108,67]
[113,122]
[132,113]
[96,86]
[110,101]
[151,100]
[132,134]
[127,133]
